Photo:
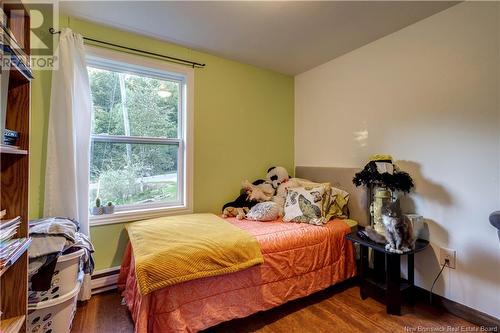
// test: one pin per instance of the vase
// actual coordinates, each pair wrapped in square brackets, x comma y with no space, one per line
[109,209]
[381,197]
[97,210]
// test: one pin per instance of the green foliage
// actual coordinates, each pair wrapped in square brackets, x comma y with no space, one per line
[118,171]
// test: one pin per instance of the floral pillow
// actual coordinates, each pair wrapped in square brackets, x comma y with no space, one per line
[305,205]
[307,184]
[264,211]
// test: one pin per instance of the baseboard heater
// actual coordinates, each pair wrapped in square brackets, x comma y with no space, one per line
[105,279]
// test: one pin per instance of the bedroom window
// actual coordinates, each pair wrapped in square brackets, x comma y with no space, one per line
[140,147]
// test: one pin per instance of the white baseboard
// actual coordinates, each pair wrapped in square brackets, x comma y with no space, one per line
[106,270]
[103,289]
[101,283]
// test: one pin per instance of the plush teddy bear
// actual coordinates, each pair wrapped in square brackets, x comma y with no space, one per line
[239,212]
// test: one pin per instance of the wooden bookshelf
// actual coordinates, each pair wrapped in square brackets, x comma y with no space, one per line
[14,172]
[4,149]
[12,325]
[17,77]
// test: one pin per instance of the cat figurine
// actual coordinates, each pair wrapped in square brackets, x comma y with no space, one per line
[398,230]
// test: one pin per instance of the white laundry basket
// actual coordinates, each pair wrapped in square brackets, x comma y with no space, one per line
[64,280]
[54,315]
[52,311]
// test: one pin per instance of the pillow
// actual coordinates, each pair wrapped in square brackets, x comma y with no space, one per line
[281,192]
[304,205]
[264,211]
[338,204]
[325,204]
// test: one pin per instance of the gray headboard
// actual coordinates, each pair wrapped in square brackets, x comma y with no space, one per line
[340,178]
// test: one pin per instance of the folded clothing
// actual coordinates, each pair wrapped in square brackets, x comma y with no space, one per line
[41,245]
[55,226]
[52,237]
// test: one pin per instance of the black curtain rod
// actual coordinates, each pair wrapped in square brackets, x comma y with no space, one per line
[168,58]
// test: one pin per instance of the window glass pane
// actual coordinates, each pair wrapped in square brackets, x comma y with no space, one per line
[128,174]
[133,105]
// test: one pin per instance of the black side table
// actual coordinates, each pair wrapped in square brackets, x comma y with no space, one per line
[386,275]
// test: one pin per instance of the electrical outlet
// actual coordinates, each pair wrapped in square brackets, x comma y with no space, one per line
[448,254]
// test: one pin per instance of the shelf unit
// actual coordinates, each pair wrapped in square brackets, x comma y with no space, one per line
[21,250]
[14,172]
[12,150]
[12,325]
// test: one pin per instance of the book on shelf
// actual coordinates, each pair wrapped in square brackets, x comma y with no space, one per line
[8,146]
[12,250]
[10,137]
[8,229]
[8,222]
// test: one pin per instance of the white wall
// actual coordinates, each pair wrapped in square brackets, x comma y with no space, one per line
[428,95]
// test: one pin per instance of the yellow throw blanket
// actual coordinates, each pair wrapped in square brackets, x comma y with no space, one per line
[170,250]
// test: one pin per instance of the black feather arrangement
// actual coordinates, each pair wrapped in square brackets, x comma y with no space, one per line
[369,176]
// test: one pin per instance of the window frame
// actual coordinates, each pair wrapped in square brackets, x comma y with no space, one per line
[108,59]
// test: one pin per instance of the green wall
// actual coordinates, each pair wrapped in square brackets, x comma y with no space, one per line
[243,124]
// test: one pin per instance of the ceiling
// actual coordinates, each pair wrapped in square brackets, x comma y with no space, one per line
[288,37]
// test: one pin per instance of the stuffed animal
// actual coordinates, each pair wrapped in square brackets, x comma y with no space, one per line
[253,193]
[239,213]
[250,195]
[280,180]
[276,176]
[261,192]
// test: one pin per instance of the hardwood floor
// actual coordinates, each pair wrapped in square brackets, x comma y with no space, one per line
[337,309]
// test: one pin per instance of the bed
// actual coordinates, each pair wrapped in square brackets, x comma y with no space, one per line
[299,259]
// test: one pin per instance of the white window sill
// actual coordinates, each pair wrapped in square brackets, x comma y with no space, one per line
[137,215]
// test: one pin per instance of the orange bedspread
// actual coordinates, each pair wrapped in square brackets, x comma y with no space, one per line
[299,259]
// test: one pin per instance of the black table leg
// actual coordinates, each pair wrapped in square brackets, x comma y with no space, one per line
[411,278]
[393,278]
[379,266]
[363,267]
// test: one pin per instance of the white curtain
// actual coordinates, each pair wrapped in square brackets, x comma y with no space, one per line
[68,143]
